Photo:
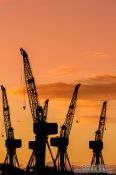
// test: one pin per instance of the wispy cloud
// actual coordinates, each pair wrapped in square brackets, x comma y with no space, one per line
[104,79]
[91,95]
[62,71]
[96,88]
[98,54]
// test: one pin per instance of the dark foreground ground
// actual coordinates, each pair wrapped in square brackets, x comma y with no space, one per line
[8,170]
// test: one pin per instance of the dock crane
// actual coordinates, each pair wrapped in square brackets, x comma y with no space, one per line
[62,141]
[97,145]
[41,128]
[11,142]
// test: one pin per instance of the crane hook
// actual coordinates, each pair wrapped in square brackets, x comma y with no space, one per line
[24,107]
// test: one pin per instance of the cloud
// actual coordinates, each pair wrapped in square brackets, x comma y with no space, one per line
[55,90]
[99,88]
[104,79]
[98,92]
[96,88]
[62,71]
[91,95]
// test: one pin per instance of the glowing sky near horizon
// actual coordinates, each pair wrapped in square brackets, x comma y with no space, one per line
[70,42]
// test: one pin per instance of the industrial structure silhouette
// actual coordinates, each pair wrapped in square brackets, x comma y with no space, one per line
[42,129]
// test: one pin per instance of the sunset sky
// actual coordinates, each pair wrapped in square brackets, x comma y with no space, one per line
[68,42]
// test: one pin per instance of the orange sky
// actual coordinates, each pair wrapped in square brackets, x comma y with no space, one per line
[69,42]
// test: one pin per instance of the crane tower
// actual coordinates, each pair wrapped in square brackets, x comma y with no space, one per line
[62,141]
[11,142]
[97,145]
[41,127]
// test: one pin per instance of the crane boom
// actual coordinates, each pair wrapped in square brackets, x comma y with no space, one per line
[6,114]
[45,109]
[66,127]
[31,89]
[100,131]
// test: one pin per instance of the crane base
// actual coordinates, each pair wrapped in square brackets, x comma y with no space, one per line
[96,145]
[12,144]
[59,142]
[43,128]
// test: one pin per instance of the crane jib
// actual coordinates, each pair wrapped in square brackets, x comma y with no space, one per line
[38,113]
[66,128]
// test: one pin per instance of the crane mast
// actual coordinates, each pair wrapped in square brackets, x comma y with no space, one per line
[11,142]
[63,140]
[40,127]
[97,145]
